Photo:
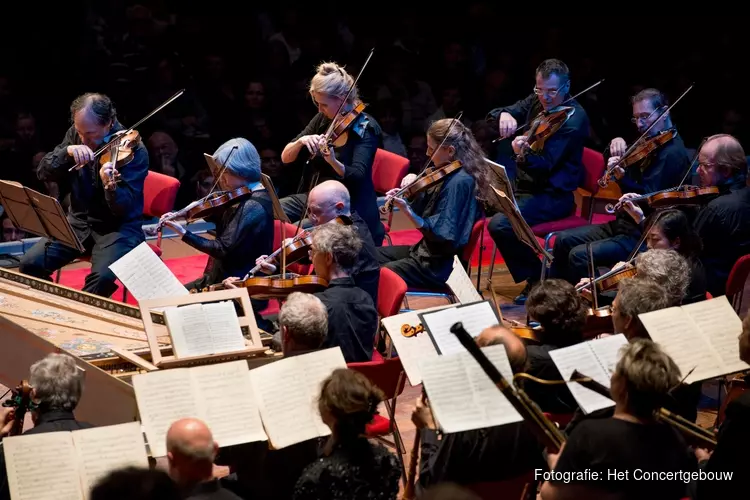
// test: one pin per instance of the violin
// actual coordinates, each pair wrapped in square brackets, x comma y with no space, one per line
[680,195]
[121,153]
[22,403]
[543,127]
[278,286]
[408,330]
[217,201]
[608,281]
[598,321]
[338,131]
[639,152]
[429,178]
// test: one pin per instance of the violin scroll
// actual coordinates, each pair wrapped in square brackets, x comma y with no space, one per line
[408,330]
[21,401]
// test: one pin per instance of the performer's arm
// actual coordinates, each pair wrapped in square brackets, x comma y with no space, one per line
[292,150]
[55,164]
[240,228]
[519,110]
[363,157]
[128,193]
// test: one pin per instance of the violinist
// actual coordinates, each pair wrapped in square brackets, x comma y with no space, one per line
[663,168]
[327,201]
[244,230]
[350,161]
[444,213]
[544,181]
[106,204]
[724,223]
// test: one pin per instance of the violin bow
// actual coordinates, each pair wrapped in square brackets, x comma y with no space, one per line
[109,145]
[566,101]
[605,178]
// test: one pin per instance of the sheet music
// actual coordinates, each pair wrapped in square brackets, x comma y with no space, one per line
[718,320]
[163,397]
[101,450]
[679,336]
[462,396]
[228,404]
[475,318]
[145,275]
[411,349]
[461,285]
[502,181]
[42,467]
[595,359]
[226,334]
[287,390]
[189,329]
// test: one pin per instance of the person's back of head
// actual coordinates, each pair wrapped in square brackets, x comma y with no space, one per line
[134,483]
[303,320]
[514,346]
[191,451]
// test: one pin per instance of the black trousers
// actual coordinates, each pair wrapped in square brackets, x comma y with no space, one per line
[45,257]
[398,260]
[608,247]
[523,262]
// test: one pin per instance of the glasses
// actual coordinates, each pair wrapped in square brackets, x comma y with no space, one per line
[549,92]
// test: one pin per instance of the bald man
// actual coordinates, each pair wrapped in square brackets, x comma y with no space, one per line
[328,200]
[191,451]
[724,223]
[483,455]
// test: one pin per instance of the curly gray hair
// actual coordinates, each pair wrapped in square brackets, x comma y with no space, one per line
[667,268]
[57,382]
[342,242]
[305,318]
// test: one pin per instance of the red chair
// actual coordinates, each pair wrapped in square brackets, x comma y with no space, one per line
[388,169]
[390,377]
[735,288]
[391,293]
[290,230]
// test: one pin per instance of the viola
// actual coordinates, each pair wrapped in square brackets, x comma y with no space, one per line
[338,131]
[639,152]
[543,127]
[681,195]
[427,179]
[608,281]
[22,403]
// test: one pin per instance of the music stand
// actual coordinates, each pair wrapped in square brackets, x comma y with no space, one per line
[38,214]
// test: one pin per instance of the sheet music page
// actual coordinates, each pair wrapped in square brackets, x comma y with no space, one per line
[461,285]
[581,357]
[719,322]
[42,467]
[462,396]
[145,275]
[104,449]
[229,406]
[607,351]
[475,318]
[226,334]
[189,330]
[680,337]
[317,366]
[411,349]
[164,397]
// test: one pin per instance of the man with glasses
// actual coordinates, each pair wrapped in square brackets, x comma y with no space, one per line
[544,182]
[664,168]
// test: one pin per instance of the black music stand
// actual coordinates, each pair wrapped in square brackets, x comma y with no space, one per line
[38,214]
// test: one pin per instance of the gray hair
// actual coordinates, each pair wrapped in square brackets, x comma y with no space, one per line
[244,161]
[331,79]
[667,268]
[99,105]
[305,318]
[342,242]
[649,374]
[638,296]
[57,382]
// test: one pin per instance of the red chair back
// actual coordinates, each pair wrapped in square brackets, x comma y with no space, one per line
[388,169]
[738,276]
[159,194]
[290,230]
[477,232]
[388,375]
[391,291]
[593,168]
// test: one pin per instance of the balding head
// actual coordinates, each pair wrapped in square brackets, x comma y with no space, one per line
[721,157]
[514,346]
[191,451]
[327,201]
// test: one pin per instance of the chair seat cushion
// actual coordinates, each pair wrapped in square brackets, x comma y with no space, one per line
[570,222]
[378,427]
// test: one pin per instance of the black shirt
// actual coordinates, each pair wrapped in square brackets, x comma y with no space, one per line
[366,272]
[211,490]
[360,470]
[357,155]
[244,232]
[449,210]
[550,398]
[559,167]
[49,421]
[352,319]
[92,208]
[609,446]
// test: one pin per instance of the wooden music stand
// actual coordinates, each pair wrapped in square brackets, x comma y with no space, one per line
[247,319]
[38,214]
